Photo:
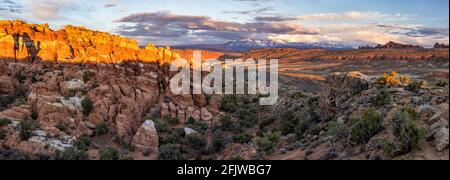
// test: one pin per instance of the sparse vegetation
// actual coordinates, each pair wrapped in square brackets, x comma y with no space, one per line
[198,126]
[242,138]
[86,77]
[171,120]
[101,129]
[289,123]
[20,77]
[87,105]
[268,142]
[227,124]
[196,141]
[442,83]
[109,154]
[4,122]
[6,100]
[248,117]
[71,154]
[2,134]
[370,124]
[61,126]
[82,143]
[407,134]
[416,86]
[161,126]
[389,80]
[95,84]
[340,132]
[381,99]
[26,127]
[170,152]
[229,103]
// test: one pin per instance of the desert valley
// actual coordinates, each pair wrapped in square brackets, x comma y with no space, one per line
[77,94]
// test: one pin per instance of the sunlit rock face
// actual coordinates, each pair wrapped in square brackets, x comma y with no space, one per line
[20,41]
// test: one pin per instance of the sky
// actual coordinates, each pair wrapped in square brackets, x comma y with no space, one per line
[179,22]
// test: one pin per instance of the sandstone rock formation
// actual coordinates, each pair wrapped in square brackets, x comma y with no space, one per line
[440,46]
[146,138]
[20,41]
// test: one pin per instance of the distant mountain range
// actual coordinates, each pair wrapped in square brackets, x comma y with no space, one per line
[249,44]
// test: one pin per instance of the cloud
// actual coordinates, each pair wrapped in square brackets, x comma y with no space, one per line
[350,15]
[274,18]
[10,6]
[48,9]
[166,24]
[257,11]
[110,5]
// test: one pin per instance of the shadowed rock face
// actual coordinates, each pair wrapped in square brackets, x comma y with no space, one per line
[30,42]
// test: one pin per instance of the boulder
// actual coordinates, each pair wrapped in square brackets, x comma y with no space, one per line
[146,138]
[7,85]
[206,115]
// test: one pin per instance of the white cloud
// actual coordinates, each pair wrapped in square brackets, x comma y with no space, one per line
[350,15]
[47,9]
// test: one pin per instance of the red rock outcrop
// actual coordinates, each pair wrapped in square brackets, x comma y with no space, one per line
[20,41]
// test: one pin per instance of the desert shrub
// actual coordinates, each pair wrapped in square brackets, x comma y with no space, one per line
[370,124]
[307,126]
[174,137]
[289,123]
[407,134]
[242,138]
[86,77]
[2,134]
[389,80]
[410,137]
[71,154]
[416,85]
[191,120]
[95,84]
[124,143]
[87,105]
[248,117]
[4,122]
[405,79]
[198,126]
[109,154]
[6,100]
[20,77]
[82,143]
[196,141]
[340,132]
[381,99]
[171,120]
[266,122]
[161,126]
[389,148]
[229,103]
[101,129]
[268,142]
[13,155]
[170,152]
[61,126]
[442,83]
[26,127]
[219,141]
[34,112]
[226,123]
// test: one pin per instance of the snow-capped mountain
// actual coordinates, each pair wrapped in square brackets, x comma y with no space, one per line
[249,44]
